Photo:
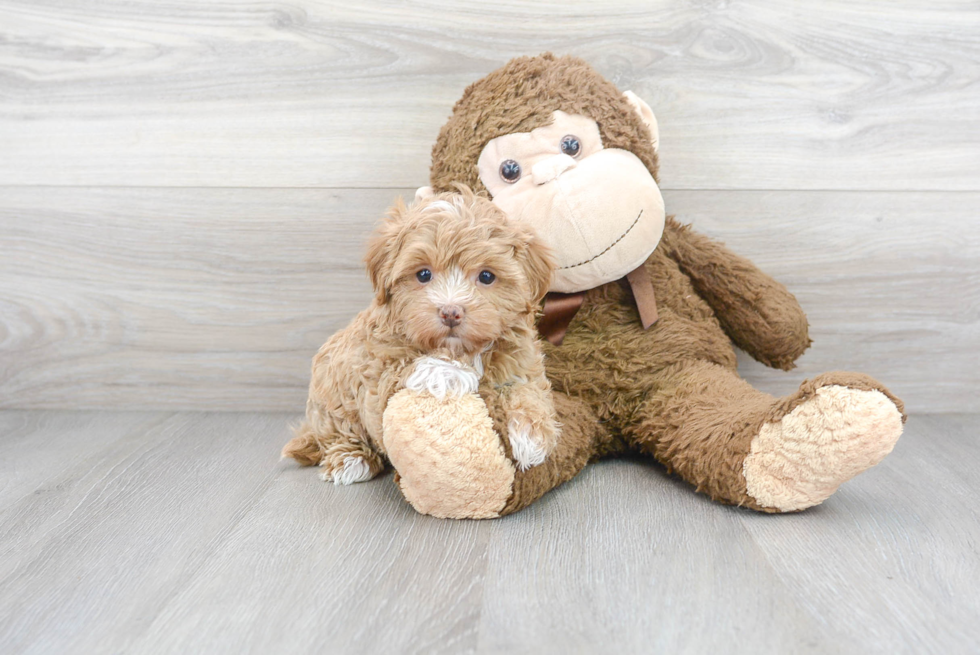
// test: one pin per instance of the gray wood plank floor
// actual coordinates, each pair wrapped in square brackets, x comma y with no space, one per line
[181,532]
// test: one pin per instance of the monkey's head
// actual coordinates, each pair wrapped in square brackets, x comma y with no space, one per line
[558,146]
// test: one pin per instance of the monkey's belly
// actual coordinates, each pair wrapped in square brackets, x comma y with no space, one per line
[619,357]
[449,459]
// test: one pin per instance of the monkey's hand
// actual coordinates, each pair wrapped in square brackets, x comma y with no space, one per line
[758,313]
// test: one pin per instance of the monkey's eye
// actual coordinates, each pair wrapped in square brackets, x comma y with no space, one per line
[424,275]
[510,171]
[570,145]
[486,277]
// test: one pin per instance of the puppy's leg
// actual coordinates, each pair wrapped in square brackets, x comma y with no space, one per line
[337,446]
[531,423]
[350,462]
[532,427]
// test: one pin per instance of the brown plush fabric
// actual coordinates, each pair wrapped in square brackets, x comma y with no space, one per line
[840,378]
[520,97]
[671,391]
[760,315]
[700,422]
[609,360]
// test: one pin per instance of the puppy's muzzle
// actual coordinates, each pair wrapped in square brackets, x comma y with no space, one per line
[451,315]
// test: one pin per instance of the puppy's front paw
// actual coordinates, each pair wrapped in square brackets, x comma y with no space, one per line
[442,378]
[348,468]
[526,444]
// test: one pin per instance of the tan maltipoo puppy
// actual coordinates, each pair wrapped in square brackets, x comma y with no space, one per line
[457,288]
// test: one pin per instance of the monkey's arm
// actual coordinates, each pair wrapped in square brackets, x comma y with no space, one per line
[759,314]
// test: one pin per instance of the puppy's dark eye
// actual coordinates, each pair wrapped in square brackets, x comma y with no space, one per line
[510,171]
[424,275]
[486,277]
[570,145]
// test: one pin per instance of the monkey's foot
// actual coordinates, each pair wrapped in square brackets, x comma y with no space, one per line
[800,459]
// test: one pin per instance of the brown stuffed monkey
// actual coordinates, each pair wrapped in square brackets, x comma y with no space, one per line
[645,312]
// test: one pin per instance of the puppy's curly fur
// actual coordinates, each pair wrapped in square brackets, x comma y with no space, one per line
[454,281]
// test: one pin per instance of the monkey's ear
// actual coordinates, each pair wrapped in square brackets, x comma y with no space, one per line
[646,115]
[382,249]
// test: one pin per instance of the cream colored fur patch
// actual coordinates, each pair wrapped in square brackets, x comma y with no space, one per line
[441,377]
[526,450]
[800,460]
[450,287]
[355,470]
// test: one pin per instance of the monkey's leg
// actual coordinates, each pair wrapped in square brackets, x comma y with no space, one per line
[745,447]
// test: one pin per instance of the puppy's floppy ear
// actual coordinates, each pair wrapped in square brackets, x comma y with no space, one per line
[382,249]
[538,263]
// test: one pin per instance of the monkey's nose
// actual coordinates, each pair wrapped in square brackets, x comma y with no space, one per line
[451,315]
[548,169]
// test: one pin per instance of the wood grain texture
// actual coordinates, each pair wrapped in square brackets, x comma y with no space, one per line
[143,515]
[627,560]
[52,452]
[185,190]
[141,288]
[846,94]
[182,533]
[218,298]
[351,573]
[890,283]
[864,571]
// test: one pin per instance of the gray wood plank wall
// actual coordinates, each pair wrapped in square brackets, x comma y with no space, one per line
[185,188]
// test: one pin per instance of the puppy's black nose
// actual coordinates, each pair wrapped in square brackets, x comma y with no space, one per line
[451,315]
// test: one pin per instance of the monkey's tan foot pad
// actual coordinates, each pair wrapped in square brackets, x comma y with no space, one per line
[801,459]
[449,460]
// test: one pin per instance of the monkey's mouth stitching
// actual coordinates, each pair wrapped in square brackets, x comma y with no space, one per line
[609,247]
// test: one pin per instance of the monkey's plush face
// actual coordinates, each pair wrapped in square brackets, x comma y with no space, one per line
[599,209]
